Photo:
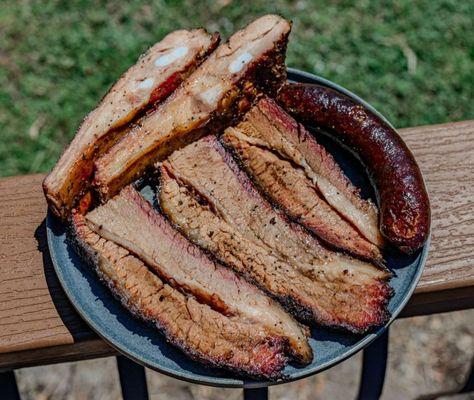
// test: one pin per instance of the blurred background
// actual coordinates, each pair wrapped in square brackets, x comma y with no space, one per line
[412,60]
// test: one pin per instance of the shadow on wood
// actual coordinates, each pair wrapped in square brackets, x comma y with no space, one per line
[71,320]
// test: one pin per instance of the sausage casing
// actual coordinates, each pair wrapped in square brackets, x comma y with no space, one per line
[402,196]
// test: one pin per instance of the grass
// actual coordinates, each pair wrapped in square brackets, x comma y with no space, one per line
[413,60]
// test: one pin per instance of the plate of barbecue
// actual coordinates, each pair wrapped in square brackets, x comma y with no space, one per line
[228,221]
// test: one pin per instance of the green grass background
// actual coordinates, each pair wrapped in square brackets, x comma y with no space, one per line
[413,60]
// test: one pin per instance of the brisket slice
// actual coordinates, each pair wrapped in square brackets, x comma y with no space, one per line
[214,96]
[215,206]
[199,331]
[288,186]
[131,222]
[273,128]
[156,74]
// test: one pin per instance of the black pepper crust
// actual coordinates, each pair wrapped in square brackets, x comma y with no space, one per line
[254,371]
[303,313]
[379,263]
[266,74]
[61,202]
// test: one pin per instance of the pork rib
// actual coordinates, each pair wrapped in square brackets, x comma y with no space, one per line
[264,148]
[199,331]
[215,205]
[156,74]
[131,222]
[212,97]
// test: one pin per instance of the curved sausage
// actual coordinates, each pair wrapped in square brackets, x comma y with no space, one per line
[403,200]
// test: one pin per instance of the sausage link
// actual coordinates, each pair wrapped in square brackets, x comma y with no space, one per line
[401,193]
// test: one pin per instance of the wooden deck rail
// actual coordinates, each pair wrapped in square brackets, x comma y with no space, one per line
[39,326]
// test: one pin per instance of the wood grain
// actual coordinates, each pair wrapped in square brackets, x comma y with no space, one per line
[38,325]
[34,312]
[445,154]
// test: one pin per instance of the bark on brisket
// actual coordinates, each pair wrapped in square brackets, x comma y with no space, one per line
[287,185]
[145,84]
[270,126]
[130,221]
[202,333]
[215,95]
[215,205]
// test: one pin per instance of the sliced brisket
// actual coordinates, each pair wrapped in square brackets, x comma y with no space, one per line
[131,222]
[288,186]
[156,74]
[201,332]
[217,93]
[273,129]
[215,205]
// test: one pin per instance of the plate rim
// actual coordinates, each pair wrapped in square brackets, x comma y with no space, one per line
[237,382]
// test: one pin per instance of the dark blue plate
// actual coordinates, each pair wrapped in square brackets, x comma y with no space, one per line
[146,345]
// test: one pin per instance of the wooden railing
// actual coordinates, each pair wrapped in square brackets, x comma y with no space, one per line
[38,325]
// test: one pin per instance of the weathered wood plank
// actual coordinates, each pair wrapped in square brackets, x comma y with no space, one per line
[38,325]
